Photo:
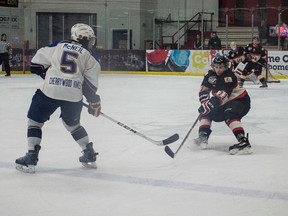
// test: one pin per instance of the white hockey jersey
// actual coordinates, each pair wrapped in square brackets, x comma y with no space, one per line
[69,65]
[5,47]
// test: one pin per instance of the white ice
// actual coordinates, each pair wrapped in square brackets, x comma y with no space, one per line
[136,177]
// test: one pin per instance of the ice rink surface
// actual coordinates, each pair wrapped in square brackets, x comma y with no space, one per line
[136,177]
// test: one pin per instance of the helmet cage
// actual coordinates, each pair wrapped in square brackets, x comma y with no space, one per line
[233,45]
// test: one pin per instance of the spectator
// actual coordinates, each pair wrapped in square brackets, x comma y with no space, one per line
[214,42]
[281,30]
[5,53]
[198,43]
[262,29]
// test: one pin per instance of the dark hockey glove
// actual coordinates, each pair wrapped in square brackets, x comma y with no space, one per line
[94,108]
[249,57]
[206,107]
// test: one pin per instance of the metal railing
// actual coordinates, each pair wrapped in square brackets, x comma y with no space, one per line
[174,39]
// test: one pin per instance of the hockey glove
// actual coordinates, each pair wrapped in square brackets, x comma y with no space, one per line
[204,96]
[205,107]
[94,109]
[249,57]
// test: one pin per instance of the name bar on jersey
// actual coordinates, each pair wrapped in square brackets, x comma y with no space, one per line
[65,82]
[73,47]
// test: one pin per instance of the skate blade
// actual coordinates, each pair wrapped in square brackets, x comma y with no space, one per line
[196,142]
[245,151]
[200,144]
[203,145]
[30,169]
[90,165]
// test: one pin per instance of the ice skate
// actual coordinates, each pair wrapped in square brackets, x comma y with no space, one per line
[202,140]
[241,148]
[264,85]
[28,162]
[89,157]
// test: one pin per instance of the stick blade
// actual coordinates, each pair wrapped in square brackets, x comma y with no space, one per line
[171,139]
[169,151]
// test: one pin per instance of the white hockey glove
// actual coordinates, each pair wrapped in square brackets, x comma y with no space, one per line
[94,108]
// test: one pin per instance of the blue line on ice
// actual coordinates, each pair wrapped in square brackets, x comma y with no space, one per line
[94,174]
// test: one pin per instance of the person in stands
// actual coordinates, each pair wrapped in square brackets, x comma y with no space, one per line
[198,42]
[214,42]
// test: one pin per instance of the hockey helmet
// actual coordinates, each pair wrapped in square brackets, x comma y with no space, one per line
[233,45]
[81,32]
[221,60]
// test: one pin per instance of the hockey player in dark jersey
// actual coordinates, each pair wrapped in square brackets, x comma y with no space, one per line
[237,59]
[222,99]
[256,57]
[236,55]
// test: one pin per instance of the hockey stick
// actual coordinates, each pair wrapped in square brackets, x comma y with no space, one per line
[170,152]
[164,142]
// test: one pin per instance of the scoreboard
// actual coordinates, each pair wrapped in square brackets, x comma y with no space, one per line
[8,3]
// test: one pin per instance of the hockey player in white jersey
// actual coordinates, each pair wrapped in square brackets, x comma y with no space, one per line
[70,70]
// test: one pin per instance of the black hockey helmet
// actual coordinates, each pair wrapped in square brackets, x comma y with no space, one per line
[221,60]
